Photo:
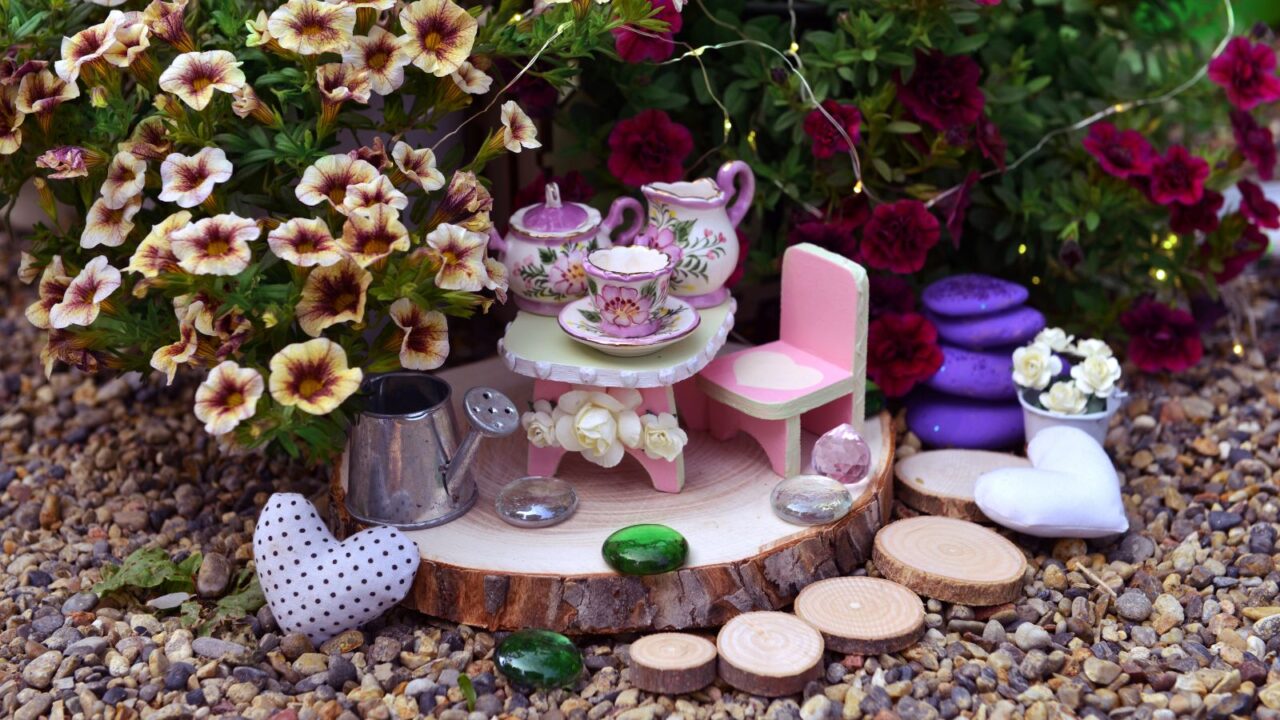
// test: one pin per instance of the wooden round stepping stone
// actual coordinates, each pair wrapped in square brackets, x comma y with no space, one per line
[862,615]
[769,653]
[673,663]
[950,560]
[941,482]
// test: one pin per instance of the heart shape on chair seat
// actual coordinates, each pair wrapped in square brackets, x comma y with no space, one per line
[318,586]
[1071,490]
[773,370]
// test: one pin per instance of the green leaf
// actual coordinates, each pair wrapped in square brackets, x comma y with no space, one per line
[902,127]
[245,601]
[468,691]
[150,568]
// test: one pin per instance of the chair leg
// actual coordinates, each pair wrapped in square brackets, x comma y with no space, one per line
[722,420]
[838,411]
[780,440]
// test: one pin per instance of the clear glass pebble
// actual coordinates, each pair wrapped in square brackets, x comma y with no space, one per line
[811,500]
[536,501]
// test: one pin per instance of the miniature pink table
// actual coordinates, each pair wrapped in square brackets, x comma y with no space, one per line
[535,346]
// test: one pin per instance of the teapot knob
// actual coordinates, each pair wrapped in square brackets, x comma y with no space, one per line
[553,195]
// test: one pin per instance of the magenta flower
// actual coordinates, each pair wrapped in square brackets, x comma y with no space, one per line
[898,236]
[649,147]
[943,91]
[566,274]
[639,46]
[1255,205]
[1122,153]
[1256,143]
[827,140]
[1202,216]
[1247,71]
[1178,177]
[1161,337]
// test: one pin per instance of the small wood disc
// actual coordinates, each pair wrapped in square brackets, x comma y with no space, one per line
[862,615]
[941,482]
[673,663]
[769,653]
[950,560]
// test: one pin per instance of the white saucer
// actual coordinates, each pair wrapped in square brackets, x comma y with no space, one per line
[582,323]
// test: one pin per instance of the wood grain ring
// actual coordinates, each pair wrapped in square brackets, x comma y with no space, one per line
[950,560]
[862,615]
[672,663]
[769,653]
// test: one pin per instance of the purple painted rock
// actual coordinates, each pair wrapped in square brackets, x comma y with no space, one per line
[953,422]
[1015,326]
[986,375]
[972,294]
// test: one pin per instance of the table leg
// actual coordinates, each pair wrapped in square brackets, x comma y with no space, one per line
[666,475]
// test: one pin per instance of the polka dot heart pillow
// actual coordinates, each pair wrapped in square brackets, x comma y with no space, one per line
[318,586]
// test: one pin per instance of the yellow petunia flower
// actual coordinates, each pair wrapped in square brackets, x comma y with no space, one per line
[83,299]
[329,177]
[378,191]
[305,243]
[54,282]
[154,255]
[126,176]
[471,79]
[194,76]
[424,341]
[188,180]
[460,254]
[381,54]
[311,27]
[313,376]
[228,396]
[440,35]
[332,295]
[215,246]
[87,47]
[373,233]
[518,131]
[167,358]
[105,225]
[418,165]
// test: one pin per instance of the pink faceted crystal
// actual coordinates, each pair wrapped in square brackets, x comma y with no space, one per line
[842,454]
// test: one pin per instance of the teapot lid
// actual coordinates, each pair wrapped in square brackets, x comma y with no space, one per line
[553,217]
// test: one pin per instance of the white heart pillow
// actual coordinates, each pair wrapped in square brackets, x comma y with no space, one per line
[318,586]
[1071,490]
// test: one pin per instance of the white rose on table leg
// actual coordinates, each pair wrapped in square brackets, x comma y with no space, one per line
[540,425]
[1097,375]
[1035,365]
[597,425]
[1065,398]
[663,438]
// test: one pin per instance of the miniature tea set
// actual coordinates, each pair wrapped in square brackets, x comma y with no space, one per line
[641,293]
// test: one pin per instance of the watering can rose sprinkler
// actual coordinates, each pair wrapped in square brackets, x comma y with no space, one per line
[405,467]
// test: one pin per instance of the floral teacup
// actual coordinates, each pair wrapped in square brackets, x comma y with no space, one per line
[628,286]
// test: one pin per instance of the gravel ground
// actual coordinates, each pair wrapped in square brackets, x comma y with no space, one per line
[1174,619]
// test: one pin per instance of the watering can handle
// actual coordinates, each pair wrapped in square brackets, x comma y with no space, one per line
[617,211]
[746,192]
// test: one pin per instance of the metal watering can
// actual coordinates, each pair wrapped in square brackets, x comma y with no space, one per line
[405,467]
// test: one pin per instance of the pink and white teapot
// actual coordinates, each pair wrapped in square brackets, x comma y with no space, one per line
[547,244]
[697,218]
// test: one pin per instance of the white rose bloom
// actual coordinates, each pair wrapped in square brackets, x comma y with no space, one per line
[1096,375]
[1091,347]
[1056,338]
[540,425]
[598,425]
[1035,365]
[663,437]
[1065,398]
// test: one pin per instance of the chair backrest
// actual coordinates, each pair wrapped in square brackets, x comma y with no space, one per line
[825,301]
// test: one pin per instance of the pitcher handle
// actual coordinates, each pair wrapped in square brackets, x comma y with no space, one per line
[746,190]
[496,242]
[617,211]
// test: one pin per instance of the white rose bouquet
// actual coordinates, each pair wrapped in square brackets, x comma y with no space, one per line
[1079,385]
[602,425]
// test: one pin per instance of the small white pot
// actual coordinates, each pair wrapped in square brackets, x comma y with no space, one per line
[1035,419]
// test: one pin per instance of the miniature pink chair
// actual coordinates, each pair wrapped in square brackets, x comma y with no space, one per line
[813,377]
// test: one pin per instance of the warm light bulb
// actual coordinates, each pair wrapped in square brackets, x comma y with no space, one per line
[751,139]
[1160,274]
[1022,248]
[857,188]
[727,126]
[1035,279]
[795,48]
[1238,349]
[516,18]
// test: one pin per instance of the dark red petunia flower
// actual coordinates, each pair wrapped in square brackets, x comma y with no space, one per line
[891,294]
[1160,337]
[835,234]
[898,236]
[1122,153]
[636,47]
[1255,206]
[1248,249]
[1203,216]
[943,91]
[649,147]
[573,188]
[1247,71]
[1178,177]
[1255,142]
[827,140]
[955,207]
[990,142]
[902,351]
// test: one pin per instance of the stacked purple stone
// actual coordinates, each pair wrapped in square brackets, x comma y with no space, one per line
[971,402]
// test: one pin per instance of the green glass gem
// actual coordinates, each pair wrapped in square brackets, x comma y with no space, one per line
[645,550]
[539,658]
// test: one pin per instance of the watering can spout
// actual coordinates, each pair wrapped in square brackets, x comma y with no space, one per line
[492,414]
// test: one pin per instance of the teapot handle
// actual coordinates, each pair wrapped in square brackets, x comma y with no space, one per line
[746,192]
[617,211]
[496,242]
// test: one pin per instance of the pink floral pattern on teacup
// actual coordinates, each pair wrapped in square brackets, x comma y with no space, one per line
[625,307]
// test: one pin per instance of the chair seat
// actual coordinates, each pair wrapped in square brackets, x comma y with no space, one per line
[774,381]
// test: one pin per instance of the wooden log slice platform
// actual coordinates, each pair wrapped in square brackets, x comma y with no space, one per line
[769,653]
[862,615]
[481,571]
[941,482]
[951,560]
